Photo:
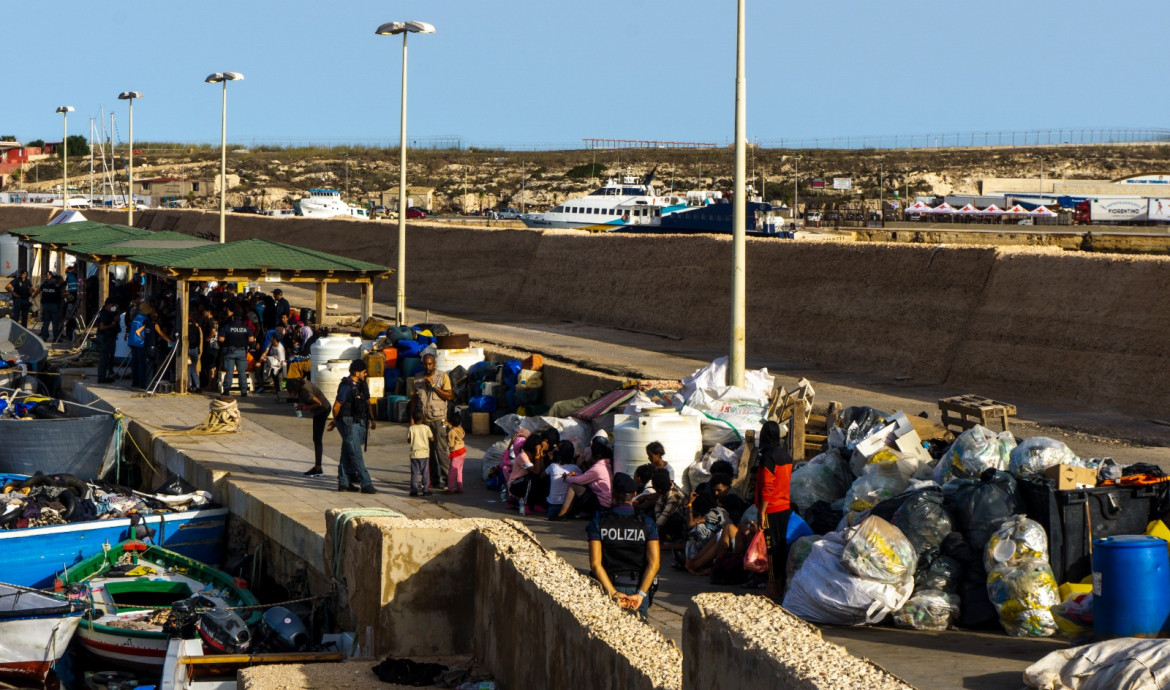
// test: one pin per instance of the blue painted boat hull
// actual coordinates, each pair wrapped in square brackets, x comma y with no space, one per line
[33,555]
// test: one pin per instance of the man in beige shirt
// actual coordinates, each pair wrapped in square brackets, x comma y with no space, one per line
[432,393]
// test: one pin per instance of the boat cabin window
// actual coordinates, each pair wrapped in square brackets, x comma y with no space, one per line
[632,191]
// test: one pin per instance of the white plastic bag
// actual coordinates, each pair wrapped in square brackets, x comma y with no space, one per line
[1127,662]
[824,478]
[928,609]
[878,482]
[975,450]
[1036,454]
[492,457]
[728,413]
[824,591]
[878,551]
[759,383]
[1024,593]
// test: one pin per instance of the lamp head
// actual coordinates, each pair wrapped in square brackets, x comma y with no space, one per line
[217,77]
[395,28]
[129,95]
[65,109]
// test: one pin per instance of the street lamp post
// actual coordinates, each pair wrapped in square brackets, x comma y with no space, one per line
[392,29]
[736,357]
[223,78]
[796,191]
[130,96]
[65,110]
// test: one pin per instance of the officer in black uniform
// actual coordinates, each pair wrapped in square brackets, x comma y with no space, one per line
[21,289]
[234,337]
[352,413]
[52,292]
[108,329]
[623,549]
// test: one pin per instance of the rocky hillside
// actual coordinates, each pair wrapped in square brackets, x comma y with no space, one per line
[471,180]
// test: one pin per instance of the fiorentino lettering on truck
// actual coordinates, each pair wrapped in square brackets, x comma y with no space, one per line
[1118,209]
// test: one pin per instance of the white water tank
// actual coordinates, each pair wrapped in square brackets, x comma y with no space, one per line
[328,376]
[446,360]
[9,256]
[681,437]
[334,346]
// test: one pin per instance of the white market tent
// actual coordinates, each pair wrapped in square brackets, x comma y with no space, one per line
[992,210]
[1017,210]
[1043,211]
[918,207]
[944,208]
[969,209]
[68,217]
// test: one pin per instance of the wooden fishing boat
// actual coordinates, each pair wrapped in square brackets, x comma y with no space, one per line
[129,589]
[189,668]
[35,629]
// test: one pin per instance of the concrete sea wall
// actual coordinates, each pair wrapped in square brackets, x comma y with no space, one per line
[1002,321]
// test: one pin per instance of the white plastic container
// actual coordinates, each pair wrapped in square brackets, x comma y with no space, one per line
[334,346]
[446,360]
[328,376]
[681,437]
[377,386]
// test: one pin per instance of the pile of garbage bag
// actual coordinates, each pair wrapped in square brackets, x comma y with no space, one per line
[878,551]
[1020,582]
[825,590]
[726,412]
[826,477]
[923,519]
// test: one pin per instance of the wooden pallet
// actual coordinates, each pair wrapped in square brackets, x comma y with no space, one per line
[962,412]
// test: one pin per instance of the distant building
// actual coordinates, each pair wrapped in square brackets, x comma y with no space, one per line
[165,189]
[423,197]
[1152,184]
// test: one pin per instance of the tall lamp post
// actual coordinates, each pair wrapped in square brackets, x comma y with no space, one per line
[796,192]
[736,356]
[223,78]
[130,96]
[393,29]
[65,110]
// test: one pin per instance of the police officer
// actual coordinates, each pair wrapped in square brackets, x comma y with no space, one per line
[234,337]
[52,292]
[21,289]
[352,411]
[623,549]
[107,340]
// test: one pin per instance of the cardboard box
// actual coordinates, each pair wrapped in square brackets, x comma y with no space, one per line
[1072,477]
[481,423]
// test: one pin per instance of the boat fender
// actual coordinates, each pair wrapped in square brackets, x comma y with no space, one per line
[73,483]
[68,500]
[38,479]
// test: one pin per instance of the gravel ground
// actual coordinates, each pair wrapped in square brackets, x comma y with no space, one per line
[804,659]
[356,674]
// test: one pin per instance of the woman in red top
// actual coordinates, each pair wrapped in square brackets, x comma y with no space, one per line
[772,481]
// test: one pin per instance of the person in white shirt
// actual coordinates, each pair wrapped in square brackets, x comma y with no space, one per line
[558,473]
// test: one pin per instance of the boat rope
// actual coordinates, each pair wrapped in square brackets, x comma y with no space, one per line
[223,417]
[341,520]
[22,589]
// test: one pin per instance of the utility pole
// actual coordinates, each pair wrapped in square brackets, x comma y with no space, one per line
[737,355]
[522,180]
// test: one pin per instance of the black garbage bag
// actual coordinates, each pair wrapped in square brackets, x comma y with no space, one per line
[859,422]
[175,486]
[936,571]
[975,607]
[923,519]
[408,672]
[821,517]
[978,506]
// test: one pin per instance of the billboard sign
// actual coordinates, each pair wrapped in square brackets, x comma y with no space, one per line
[1117,210]
[818,184]
[842,183]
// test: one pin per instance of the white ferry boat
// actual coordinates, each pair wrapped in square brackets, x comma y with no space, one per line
[327,203]
[617,205]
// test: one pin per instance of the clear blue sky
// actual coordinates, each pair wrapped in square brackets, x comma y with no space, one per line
[534,71]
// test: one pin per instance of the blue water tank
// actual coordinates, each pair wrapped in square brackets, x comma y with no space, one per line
[1131,587]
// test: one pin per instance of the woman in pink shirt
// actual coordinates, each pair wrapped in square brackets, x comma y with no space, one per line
[593,490]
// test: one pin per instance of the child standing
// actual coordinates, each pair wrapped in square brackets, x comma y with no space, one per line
[420,454]
[455,435]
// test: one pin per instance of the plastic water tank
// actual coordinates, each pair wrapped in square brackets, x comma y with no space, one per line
[329,375]
[446,360]
[334,346]
[1131,587]
[679,435]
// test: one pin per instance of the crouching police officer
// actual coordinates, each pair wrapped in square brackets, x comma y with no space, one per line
[623,549]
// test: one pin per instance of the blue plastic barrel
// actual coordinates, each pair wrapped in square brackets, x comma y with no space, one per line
[1131,587]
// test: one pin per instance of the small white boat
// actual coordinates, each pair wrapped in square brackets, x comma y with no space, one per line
[35,630]
[189,667]
[327,203]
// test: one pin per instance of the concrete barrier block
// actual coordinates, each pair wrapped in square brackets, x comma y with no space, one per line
[767,642]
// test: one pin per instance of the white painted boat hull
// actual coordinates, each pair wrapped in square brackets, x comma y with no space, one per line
[29,647]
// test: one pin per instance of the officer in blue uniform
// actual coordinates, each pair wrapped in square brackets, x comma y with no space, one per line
[235,337]
[623,549]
